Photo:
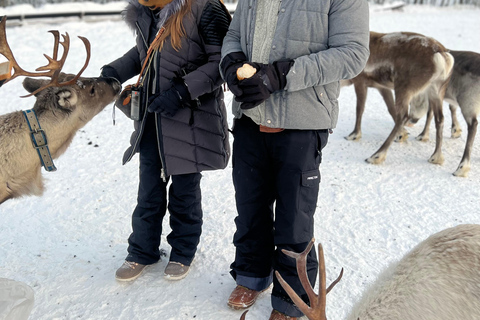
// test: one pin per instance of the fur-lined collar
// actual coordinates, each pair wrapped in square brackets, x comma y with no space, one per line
[134,10]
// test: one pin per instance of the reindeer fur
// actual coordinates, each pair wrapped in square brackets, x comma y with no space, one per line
[411,64]
[438,280]
[61,111]
[463,91]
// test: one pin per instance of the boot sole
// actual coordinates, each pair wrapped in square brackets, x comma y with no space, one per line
[132,278]
[170,277]
[240,306]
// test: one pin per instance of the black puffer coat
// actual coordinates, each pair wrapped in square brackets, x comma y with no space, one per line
[194,139]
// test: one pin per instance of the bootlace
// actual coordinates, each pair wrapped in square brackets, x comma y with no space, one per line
[130,264]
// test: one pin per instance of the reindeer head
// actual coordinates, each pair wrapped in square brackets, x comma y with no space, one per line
[63,94]
[83,99]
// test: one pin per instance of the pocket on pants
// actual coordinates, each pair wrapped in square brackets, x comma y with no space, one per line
[309,191]
[311,178]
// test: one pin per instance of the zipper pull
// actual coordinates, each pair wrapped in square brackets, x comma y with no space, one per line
[162,175]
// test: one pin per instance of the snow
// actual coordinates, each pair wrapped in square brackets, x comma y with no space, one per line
[68,243]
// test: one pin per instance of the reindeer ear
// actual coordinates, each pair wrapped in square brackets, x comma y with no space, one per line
[32,84]
[67,98]
[64,77]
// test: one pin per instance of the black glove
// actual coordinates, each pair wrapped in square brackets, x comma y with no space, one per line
[268,79]
[254,92]
[169,101]
[109,72]
[230,63]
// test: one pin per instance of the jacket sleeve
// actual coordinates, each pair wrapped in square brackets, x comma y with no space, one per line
[126,66]
[213,26]
[232,40]
[347,53]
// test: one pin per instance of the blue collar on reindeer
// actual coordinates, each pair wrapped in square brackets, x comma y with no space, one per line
[39,140]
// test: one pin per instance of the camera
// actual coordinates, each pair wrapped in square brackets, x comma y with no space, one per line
[136,107]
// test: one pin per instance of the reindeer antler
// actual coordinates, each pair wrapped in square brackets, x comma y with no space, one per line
[317,302]
[54,66]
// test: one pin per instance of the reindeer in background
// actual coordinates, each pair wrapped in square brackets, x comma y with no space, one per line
[463,91]
[65,103]
[414,66]
[439,279]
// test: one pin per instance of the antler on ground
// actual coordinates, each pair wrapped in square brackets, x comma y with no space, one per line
[318,302]
[54,66]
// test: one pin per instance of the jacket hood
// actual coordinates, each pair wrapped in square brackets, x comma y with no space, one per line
[135,10]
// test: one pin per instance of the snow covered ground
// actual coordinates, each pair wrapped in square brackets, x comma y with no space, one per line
[67,244]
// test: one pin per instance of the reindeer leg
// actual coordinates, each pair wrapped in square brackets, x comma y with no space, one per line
[390,102]
[456,129]
[401,118]
[464,166]
[437,156]
[387,96]
[424,136]
[361,90]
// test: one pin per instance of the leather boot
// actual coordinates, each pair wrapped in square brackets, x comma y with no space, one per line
[242,298]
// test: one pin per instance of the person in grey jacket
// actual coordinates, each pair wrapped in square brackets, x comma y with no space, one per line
[181,129]
[300,49]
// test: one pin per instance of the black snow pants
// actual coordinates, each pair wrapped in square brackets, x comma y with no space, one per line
[276,178]
[184,206]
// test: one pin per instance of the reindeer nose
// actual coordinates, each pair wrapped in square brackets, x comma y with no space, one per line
[114,83]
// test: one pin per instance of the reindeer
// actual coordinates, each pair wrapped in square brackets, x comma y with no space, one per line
[463,91]
[439,279]
[411,64]
[64,105]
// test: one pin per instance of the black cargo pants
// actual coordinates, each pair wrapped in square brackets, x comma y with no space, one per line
[276,178]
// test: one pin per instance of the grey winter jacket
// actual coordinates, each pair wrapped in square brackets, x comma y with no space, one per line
[327,39]
[194,139]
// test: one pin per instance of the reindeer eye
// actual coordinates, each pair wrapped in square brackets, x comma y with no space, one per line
[92,91]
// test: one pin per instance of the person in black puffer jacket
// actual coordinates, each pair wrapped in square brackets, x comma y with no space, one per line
[182,128]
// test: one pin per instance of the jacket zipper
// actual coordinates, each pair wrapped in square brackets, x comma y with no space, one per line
[142,126]
[142,123]
[158,124]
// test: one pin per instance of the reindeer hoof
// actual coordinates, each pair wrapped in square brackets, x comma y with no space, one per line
[422,138]
[353,136]
[462,171]
[456,133]
[436,159]
[376,159]
[402,137]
